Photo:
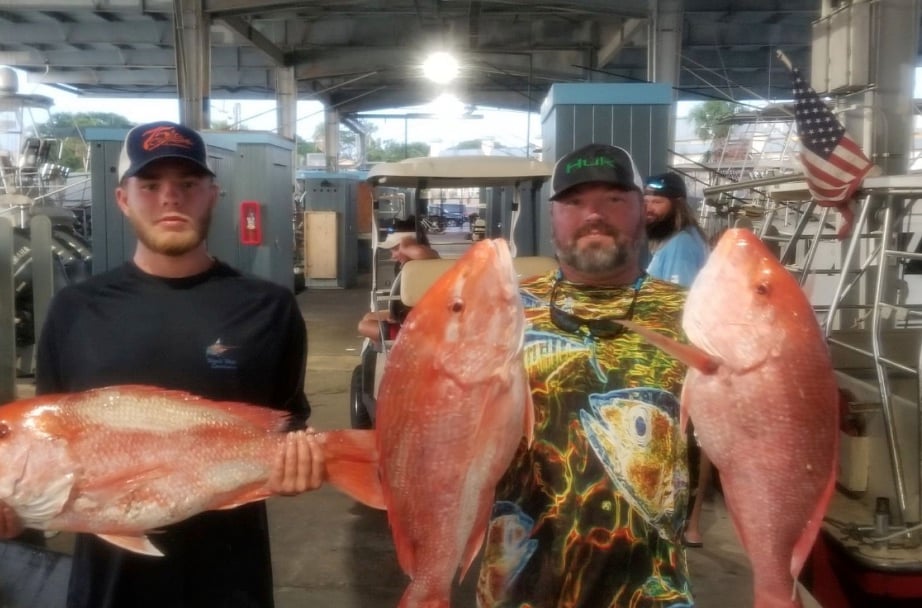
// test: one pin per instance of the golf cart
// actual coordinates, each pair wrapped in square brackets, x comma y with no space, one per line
[495,188]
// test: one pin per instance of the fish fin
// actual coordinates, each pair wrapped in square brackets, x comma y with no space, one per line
[688,354]
[352,465]
[478,532]
[135,544]
[683,413]
[403,545]
[529,418]
[804,544]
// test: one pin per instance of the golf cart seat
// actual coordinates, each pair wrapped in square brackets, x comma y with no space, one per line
[417,276]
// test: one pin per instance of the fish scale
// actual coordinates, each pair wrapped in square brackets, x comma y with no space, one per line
[120,461]
[454,384]
[762,395]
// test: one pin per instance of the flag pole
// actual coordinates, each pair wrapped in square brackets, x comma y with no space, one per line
[784,59]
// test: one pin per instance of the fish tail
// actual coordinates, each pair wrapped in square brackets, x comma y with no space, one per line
[767,600]
[409,599]
[352,465]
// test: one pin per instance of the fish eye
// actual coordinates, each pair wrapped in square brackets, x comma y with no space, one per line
[4,430]
[639,424]
[457,306]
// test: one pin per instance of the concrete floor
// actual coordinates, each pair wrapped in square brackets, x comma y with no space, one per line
[329,552]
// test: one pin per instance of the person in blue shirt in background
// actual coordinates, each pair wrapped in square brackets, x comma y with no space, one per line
[679,249]
[677,244]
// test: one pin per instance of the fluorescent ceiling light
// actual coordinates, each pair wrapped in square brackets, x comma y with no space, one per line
[447,105]
[440,67]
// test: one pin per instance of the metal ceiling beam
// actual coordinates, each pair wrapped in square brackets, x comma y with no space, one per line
[132,32]
[128,58]
[636,9]
[256,38]
[110,6]
[617,39]
[219,7]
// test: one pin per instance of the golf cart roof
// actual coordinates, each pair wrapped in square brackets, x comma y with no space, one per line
[457,171]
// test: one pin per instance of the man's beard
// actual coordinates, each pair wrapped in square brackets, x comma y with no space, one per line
[661,229]
[595,258]
[172,243]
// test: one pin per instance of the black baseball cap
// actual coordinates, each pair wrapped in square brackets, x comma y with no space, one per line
[595,163]
[669,184]
[156,140]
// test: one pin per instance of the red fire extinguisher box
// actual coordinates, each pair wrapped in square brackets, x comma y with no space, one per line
[251,231]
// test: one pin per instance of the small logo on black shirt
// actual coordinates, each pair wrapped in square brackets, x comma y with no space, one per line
[220,356]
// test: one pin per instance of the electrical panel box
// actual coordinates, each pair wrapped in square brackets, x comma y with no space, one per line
[633,116]
[842,49]
[260,190]
[337,192]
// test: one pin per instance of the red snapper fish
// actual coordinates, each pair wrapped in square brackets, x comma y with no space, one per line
[125,460]
[762,394]
[453,407]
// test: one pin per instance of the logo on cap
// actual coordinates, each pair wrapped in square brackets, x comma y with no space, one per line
[164,136]
[584,163]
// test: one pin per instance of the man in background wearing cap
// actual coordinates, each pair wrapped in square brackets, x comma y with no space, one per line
[176,318]
[678,245]
[404,245]
[577,520]
[679,250]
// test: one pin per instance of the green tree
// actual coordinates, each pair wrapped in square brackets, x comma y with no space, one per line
[306,147]
[348,139]
[390,150]
[68,128]
[710,118]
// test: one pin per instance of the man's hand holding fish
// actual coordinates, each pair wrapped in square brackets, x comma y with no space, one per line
[299,465]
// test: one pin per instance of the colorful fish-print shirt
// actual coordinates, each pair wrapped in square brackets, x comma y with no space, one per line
[590,515]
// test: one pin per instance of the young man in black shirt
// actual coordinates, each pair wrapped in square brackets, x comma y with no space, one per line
[176,318]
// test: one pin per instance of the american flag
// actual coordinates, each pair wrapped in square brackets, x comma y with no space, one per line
[833,162]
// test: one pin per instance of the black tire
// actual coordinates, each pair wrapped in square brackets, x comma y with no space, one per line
[299,282]
[70,253]
[358,413]
[63,260]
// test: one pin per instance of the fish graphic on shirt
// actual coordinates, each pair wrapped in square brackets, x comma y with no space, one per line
[217,355]
[634,433]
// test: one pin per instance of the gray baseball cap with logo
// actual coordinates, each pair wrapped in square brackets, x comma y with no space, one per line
[595,163]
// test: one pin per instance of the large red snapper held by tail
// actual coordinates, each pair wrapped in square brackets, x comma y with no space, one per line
[453,407]
[125,460]
[762,394]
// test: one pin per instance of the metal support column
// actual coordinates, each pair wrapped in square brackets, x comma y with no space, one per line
[893,72]
[7,315]
[286,101]
[331,139]
[192,39]
[286,110]
[42,269]
[664,48]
